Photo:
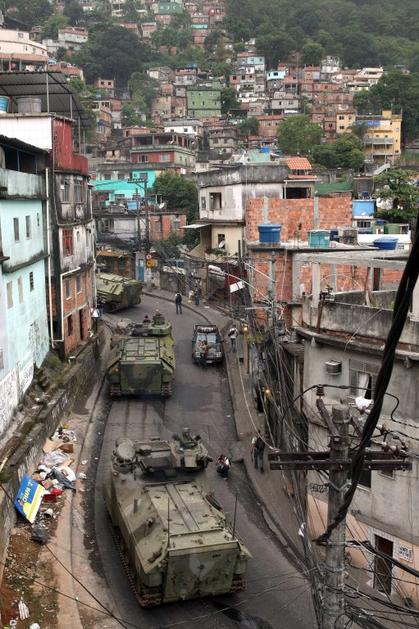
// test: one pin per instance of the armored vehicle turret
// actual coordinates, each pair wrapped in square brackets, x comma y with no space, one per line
[116,292]
[176,541]
[142,360]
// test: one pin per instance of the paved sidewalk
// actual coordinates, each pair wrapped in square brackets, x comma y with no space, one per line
[270,488]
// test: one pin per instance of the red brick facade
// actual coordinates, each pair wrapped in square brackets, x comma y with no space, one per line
[297,215]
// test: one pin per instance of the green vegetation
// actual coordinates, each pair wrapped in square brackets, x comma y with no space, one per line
[179,193]
[249,126]
[398,187]
[112,51]
[344,152]
[297,134]
[360,32]
[397,91]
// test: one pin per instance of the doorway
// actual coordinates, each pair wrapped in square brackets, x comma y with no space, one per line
[81,318]
[382,565]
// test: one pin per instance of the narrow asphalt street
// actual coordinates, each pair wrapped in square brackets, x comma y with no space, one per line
[277,596]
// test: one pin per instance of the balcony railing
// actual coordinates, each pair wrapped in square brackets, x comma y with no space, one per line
[14,183]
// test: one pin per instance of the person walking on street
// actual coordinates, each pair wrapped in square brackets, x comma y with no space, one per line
[204,347]
[258,452]
[223,466]
[232,335]
[95,315]
[178,302]
[197,295]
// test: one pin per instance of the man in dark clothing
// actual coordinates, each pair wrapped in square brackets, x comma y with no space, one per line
[258,451]
[178,302]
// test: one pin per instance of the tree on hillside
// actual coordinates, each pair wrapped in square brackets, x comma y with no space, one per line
[112,52]
[275,45]
[297,134]
[399,188]
[143,90]
[345,152]
[249,126]
[74,11]
[178,33]
[53,24]
[130,116]
[397,91]
[130,10]
[312,53]
[179,193]
[228,99]
[32,12]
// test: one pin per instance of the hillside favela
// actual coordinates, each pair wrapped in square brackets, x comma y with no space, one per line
[209,314]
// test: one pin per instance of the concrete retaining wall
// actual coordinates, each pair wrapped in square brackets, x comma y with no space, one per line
[27,456]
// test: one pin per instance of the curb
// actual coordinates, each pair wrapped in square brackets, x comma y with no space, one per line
[271,519]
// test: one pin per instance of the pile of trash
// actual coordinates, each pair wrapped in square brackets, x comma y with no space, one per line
[47,483]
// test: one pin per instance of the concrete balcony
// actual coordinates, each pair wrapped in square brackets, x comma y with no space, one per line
[15,184]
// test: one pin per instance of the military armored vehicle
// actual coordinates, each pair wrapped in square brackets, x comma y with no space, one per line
[115,292]
[174,538]
[142,360]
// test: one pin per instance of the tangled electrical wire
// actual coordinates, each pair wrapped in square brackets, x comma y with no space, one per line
[400,312]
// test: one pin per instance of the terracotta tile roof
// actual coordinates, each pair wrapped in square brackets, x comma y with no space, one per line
[298,163]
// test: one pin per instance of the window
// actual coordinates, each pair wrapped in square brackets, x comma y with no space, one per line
[215,200]
[78,191]
[16,229]
[67,289]
[20,289]
[362,378]
[70,325]
[107,225]
[221,239]
[67,242]
[65,191]
[143,158]
[165,157]
[78,283]
[203,203]
[31,281]
[9,295]
[28,226]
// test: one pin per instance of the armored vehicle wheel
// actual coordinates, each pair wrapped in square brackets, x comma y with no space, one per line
[166,390]
[115,390]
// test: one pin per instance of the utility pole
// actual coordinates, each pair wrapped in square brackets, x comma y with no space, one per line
[334,595]
[338,462]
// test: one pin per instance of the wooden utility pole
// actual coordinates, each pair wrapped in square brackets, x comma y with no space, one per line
[339,464]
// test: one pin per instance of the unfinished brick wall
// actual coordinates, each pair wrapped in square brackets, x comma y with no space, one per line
[297,215]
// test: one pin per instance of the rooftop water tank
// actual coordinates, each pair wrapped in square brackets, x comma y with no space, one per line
[319,238]
[29,105]
[4,105]
[386,242]
[269,234]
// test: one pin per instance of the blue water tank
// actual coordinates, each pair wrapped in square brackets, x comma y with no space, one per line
[4,104]
[319,238]
[269,234]
[264,149]
[388,243]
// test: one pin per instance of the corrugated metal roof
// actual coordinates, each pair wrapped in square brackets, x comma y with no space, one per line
[56,94]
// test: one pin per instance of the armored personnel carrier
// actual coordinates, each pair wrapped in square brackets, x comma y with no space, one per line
[175,539]
[142,361]
[116,292]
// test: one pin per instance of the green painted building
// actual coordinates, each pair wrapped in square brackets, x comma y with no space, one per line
[203,102]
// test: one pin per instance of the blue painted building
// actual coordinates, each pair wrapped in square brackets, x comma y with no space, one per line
[24,338]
